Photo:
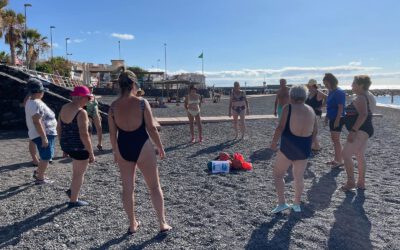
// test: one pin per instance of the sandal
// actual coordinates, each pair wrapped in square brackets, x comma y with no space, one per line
[346,188]
[165,230]
[100,148]
[133,232]
[334,164]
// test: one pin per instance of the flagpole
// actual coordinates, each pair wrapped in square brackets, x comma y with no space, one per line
[202,63]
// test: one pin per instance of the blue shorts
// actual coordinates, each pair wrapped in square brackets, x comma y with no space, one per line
[46,154]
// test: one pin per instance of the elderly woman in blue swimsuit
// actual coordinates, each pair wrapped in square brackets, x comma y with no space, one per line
[296,129]
[131,123]
[192,106]
[238,107]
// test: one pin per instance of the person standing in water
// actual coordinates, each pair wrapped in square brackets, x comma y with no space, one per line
[192,106]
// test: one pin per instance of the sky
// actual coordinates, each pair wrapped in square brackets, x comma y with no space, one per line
[242,40]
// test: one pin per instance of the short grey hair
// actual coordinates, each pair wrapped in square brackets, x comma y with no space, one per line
[298,93]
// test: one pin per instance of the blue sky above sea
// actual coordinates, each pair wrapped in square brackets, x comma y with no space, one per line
[246,41]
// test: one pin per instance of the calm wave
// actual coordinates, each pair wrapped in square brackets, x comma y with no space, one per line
[388,100]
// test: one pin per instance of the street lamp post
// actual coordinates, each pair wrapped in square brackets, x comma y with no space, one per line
[51,40]
[165,60]
[119,50]
[26,38]
[66,48]
[165,73]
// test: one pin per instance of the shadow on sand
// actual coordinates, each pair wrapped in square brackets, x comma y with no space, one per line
[156,239]
[178,147]
[215,148]
[307,173]
[260,238]
[11,234]
[264,154]
[352,227]
[319,197]
[320,194]
[16,166]
[14,190]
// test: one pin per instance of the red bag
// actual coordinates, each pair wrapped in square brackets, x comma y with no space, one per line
[239,163]
[224,156]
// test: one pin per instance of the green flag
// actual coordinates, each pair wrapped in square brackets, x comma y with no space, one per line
[201,55]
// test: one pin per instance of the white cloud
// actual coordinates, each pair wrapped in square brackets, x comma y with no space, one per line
[123,36]
[355,63]
[56,45]
[96,32]
[297,75]
[290,72]
[78,40]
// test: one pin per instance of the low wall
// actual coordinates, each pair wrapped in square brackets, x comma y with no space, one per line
[13,91]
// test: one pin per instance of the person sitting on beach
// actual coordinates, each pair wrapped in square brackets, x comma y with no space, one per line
[192,106]
[92,109]
[358,121]
[130,123]
[282,98]
[335,103]
[73,129]
[42,123]
[315,100]
[239,107]
[296,128]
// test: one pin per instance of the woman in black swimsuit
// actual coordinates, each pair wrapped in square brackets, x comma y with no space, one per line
[131,123]
[73,129]
[315,100]
[358,121]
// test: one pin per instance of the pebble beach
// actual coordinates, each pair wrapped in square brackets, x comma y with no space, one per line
[206,211]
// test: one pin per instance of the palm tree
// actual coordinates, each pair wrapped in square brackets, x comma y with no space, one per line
[3,3]
[36,46]
[12,27]
[4,57]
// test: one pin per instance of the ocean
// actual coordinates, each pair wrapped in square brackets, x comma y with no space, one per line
[388,100]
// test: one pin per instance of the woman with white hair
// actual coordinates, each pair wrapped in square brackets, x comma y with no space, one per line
[296,129]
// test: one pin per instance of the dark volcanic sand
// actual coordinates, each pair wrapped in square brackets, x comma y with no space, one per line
[207,211]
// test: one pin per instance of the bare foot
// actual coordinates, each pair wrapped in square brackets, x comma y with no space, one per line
[133,229]
[361,185]
[349,186]
[165,228]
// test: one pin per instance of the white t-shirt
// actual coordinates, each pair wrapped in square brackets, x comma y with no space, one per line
[48,118]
